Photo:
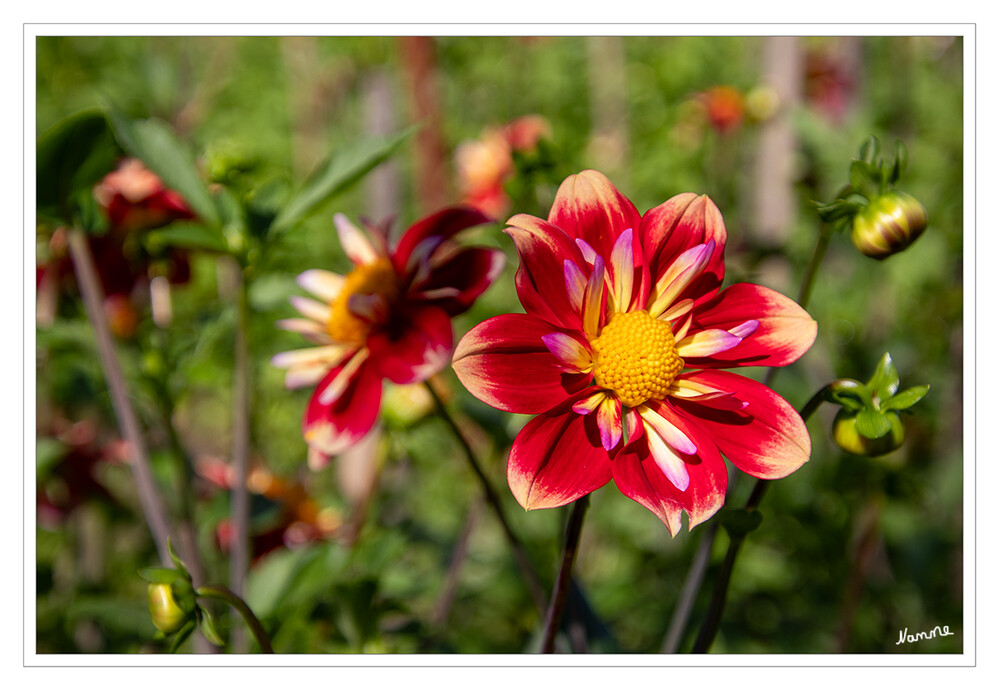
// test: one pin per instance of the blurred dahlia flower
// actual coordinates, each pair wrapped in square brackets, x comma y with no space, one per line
[135,198]
[484,165]
[389,318]
[621,352]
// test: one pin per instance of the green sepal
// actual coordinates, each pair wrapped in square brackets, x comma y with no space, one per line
[155,144]
[159,576]
[182,636]
[176,561]
[338,172]
[901,162]
[208,628]
[739,522]
[850,394]
[906,399]
[872,423]
[884,382]
[870,149]
[865,178]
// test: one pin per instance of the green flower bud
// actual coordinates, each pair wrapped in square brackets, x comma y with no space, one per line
[169,614]
[888,225]
[849,438]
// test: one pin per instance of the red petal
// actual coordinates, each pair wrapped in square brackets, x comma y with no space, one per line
[588,206]
[469,271]
[640,479]
[682,223]
[543,250]
[443,225]
[766,439]
[331,429]
[556,459]
[414,346]
[505,363]
[785,330]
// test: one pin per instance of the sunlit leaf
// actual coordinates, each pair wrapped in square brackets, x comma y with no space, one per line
[338,172]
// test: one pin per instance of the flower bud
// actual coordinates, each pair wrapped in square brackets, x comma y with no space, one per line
[849,438]
[168,614]
[888,225]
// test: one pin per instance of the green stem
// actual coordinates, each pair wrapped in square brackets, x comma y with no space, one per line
[226,595]
[239,555]
[559,594]
[719,597]
[696,574]
[519,553]
[808,281]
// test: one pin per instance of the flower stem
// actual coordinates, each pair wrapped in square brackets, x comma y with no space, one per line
[561,590]
[519,553]
[239,556]
[691,586]
[808,281]
[226,595]
[719,597]
[93,300]
[695,575]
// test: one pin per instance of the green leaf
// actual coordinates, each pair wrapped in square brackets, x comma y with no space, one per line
[159,576]
[165,154]
[71,157]
[872,424]
[905,399]
[342,169]
[208,628]
[884,382]
[186,235]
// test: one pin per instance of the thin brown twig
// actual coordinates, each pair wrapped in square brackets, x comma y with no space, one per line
[93,300]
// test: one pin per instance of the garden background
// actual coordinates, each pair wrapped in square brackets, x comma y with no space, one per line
[389,549]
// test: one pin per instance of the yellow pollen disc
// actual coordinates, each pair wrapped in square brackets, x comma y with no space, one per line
[636,357]
[378,278]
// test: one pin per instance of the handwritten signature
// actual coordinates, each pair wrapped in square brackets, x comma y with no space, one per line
[904,636]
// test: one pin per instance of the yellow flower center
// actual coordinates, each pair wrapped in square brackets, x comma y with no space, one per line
[635,357]
[378,278]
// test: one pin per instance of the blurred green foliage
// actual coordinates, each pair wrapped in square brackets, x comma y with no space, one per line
[265,111]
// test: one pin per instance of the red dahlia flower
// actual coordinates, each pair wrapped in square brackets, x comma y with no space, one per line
[389,318]
[620,355]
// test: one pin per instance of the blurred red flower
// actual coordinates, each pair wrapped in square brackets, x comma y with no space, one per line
[389,318]
[486,164]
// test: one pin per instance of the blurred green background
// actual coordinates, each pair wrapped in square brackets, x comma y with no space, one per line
[851,550]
